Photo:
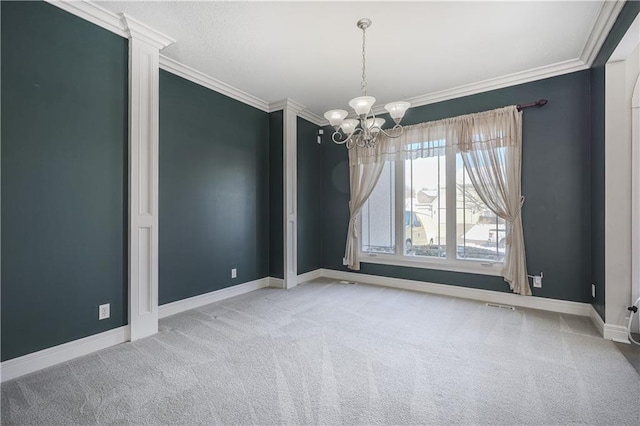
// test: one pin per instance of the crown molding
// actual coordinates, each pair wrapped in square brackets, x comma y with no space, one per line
[313,118]
[188,73]
[300,110]
[93,13]
[495,83]
[287,103]
[138,30]
[607,16]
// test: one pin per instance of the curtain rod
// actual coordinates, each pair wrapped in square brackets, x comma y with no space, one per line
[538,103]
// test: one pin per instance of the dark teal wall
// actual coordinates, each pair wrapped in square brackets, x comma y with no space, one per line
[555,182]
[64,145]
[276,198]
[214,190]
[309,197]
[597,228]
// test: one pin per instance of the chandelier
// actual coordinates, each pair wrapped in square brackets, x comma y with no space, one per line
[364,130]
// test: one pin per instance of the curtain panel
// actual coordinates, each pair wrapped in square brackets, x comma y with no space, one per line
[490,144]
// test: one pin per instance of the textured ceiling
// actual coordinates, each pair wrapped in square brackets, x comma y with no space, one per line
[311,51]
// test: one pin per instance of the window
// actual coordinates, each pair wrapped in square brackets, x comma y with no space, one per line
[425,212]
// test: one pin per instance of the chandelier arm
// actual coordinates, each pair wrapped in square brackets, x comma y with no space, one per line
[336,137]
[397,134]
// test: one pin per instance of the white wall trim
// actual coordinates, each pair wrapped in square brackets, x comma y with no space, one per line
[605,20]
[35,361]
[143,32]
[176,307]
[290,191]
[276,282]
[607,16]
[195,76]
[313,118]
[93,13]
[596,319]
[302,111]
[532,302]
[308,276]
[144,100]
[617,333]
[495,83]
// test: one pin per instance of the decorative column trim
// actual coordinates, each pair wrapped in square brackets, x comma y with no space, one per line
[144,46]
[290,217]
[635,195]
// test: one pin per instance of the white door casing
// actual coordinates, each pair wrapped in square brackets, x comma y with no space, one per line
[635,194]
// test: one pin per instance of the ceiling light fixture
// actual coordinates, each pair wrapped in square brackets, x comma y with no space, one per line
[364,131]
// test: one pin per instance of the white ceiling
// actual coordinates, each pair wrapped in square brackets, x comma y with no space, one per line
[311,51]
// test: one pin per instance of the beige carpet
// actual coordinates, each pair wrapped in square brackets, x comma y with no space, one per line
[329,353]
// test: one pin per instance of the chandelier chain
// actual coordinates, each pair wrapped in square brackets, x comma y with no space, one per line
[363,85]
[364,131]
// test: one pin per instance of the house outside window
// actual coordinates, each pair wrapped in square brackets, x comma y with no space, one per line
[426,213]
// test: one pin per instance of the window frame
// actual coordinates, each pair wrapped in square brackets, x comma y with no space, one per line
[451,262]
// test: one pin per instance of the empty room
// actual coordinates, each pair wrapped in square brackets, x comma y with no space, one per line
[335,213]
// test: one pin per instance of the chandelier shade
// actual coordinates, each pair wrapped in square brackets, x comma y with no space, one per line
[364,130]
[335,116]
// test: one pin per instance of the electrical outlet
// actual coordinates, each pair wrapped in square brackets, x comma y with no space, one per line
[537,281]
[593,290]
[234,273]
[104,311]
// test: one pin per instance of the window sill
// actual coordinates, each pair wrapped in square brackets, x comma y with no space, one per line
[468,266]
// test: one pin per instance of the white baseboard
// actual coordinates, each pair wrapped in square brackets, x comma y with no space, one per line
[533,302]
[617,333]
[276,282]
[597,320]
[311,275]
[35,361]
[173,308]
[308,276]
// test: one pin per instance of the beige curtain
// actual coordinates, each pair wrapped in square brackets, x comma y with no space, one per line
[490,144]
[491,149]
[362,179]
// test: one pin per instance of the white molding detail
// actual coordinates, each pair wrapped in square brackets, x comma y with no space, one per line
[195,76]
[495,83]
[290,194]
[276,282]
[605,20]
[532,302]
[300,109]
[617,333]
[597,320]
[313,118]
[35,361]
[173,308]
[607,16]
[143,177]
[283,104]
[308,276]
[138,30]
[93,13]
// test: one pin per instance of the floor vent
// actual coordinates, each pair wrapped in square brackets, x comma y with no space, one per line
[495,305]
[346,282]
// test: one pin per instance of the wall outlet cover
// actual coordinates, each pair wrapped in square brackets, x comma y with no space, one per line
[593,290]
[537,281]
[104,311]
[234,273]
